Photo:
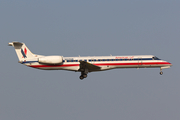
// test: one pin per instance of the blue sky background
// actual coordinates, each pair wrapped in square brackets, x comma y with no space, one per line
[90,28]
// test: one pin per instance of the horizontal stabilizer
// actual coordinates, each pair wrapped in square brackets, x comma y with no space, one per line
[17,43]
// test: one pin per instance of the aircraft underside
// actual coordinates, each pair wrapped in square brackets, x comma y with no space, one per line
[84,71]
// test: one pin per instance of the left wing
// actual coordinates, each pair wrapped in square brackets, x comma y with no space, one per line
[86,65]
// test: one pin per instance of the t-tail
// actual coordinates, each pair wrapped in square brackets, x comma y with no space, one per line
[22,51]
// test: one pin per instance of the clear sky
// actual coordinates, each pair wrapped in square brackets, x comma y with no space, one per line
[90,28]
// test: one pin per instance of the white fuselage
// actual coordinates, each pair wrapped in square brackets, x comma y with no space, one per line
[104,62]
[85,64]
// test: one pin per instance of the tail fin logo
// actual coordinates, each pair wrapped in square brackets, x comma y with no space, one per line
[24,53]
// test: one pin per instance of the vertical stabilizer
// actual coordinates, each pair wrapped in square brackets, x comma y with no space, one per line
[22,51]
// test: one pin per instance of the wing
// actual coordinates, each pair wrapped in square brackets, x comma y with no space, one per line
[86,65]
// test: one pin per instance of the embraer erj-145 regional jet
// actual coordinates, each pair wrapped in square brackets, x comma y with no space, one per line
[86,64]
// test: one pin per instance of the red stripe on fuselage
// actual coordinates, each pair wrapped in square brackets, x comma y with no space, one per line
[143,63]
[66,65]
[103,64]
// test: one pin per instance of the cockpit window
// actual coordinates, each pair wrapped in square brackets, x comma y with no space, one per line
[155,58]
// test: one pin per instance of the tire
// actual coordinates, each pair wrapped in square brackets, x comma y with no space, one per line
[161,73]
[81,77]
[85,75]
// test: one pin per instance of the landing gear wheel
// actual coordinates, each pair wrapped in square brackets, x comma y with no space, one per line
[85,75]
[161,73]
[81,77]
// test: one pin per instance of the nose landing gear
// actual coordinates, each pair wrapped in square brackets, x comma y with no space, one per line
[161,73]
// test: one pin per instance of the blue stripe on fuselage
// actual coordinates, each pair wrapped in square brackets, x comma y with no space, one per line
[29,62]
[136,59]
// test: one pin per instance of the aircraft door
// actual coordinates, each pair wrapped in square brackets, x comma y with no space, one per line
[139,61]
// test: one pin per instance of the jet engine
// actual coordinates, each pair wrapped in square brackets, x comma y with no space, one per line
[51,60]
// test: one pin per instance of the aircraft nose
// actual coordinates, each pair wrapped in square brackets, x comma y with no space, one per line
[169,63]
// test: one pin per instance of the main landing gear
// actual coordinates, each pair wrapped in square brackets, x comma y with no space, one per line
[84,73]
[83,76]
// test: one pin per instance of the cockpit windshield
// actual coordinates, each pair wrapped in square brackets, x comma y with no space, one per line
[155,58]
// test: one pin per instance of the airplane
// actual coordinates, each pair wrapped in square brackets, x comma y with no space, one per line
[88,64]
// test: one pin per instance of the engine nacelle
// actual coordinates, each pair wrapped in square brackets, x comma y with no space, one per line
[51,60]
